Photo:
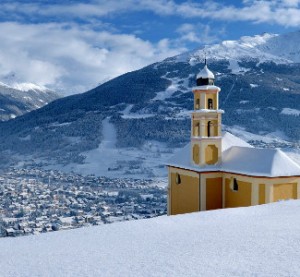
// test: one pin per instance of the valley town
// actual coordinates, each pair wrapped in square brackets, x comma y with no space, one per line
[37,201]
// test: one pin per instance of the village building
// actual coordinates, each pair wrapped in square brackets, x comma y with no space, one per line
[217,171]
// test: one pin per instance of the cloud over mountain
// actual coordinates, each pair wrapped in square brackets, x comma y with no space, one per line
[71,58]
[72,46]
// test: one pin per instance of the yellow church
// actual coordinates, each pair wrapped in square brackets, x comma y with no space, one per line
[217,171]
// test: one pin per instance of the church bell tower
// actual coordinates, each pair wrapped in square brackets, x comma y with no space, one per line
[206,137]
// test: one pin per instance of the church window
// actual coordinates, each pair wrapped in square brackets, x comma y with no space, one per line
[210,104]
[178,179]
[209,128]
[235,185]
[197,103]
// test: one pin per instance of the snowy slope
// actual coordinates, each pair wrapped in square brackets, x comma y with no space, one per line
[256,241]
[108,160]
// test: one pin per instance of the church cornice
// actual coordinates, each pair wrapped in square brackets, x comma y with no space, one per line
[233,173]
[208,88]
[205,111]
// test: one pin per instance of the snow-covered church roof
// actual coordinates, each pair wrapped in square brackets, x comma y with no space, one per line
[240,157]
[205,73]
[259,162]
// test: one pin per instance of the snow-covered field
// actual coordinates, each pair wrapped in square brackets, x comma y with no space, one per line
[108,160]
[266,138]
[255,241]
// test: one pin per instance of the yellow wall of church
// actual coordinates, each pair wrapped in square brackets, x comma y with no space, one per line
[284,191]
[215,190]
[185,197]
[211,154]
[262,194]
[196,153]
[214,193]
[275,189]
[239,198]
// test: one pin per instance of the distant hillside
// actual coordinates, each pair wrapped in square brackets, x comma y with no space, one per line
[149,109]
[255,241]
[22,98]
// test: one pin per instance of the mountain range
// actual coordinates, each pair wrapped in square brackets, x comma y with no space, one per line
[145,114]
[18,99]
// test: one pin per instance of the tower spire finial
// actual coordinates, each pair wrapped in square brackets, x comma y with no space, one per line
[205,61]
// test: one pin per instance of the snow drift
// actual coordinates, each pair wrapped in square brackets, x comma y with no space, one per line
[256,241]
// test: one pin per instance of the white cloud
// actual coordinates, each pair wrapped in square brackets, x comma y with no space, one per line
[73,58]
[70,58]
[285,13]
[291,3]
[198,33]
[282,12]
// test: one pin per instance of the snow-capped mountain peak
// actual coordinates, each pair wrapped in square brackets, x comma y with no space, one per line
[280,49]
[29,86]
[20,98]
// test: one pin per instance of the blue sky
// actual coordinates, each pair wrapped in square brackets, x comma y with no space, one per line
[72,46]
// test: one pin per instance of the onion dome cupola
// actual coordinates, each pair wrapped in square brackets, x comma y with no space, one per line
[205,77]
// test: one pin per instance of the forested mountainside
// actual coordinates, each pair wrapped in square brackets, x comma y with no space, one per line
[260,81]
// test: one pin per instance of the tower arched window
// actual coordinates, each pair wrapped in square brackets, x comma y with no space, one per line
[210,104]
[197,103]
[209,128]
